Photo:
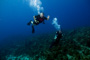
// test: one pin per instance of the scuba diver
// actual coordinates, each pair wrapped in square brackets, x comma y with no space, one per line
[57,38]
[37,20]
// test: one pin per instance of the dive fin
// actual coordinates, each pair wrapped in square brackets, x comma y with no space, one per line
[33,30]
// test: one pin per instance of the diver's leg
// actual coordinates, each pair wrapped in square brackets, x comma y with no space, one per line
[33,30]
[33,24]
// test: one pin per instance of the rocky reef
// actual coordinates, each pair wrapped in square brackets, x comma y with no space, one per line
[74,45]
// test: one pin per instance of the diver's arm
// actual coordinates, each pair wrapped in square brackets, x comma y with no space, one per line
[35,19]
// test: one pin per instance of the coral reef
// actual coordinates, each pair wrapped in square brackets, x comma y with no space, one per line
[75,45]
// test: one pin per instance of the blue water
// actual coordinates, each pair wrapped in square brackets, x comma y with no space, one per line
[15,14]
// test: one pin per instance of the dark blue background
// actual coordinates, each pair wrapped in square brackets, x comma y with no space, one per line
[14,15]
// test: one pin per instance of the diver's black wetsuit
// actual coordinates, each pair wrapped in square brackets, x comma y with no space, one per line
[58,37]
[38,18]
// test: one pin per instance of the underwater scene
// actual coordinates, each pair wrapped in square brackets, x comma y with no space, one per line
[44,29]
